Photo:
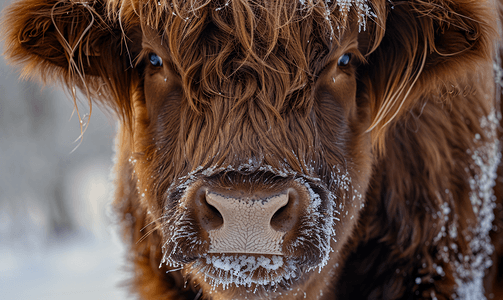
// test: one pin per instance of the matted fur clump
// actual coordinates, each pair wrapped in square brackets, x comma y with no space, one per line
[341,149]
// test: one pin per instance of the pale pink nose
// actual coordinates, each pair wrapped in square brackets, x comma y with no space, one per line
[243,223]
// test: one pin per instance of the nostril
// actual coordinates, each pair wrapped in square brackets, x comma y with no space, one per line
[209,216]
[217,218]
[285,217]
[279,214]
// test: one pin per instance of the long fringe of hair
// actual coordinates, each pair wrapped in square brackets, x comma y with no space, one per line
[277,48]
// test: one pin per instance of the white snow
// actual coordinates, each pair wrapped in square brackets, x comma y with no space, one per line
[362,7]
[80,267]
[239,270]
[486,160]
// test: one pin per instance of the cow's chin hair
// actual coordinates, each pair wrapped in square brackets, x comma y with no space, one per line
[246,275]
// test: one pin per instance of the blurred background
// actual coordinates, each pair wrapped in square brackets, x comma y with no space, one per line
[57,235]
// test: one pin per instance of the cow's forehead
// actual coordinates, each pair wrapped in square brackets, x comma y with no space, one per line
[281,64]
[336,14]
[318,45]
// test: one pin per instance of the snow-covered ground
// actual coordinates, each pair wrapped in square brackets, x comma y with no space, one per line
[78,267]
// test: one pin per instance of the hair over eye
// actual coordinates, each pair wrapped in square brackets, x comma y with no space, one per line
[155,59]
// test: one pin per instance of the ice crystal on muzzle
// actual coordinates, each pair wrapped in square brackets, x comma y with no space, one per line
[306,248]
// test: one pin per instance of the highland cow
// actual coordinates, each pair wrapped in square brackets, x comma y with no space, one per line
[291,149]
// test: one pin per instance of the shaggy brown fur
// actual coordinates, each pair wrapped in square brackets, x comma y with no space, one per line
[401,144]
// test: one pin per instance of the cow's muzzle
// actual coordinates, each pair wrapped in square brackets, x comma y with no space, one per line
[248,221]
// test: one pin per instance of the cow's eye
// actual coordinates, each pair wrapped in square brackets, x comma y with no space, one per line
[155,60]
[344,60]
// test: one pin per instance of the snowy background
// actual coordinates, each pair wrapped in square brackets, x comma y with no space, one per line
[57,238]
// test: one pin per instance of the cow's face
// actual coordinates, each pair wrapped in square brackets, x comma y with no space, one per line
[252,192]
[246,124]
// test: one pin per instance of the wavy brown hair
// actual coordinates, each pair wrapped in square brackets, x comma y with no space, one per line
[270,41]
[417,148]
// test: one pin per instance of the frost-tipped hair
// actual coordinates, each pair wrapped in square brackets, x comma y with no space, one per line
[428,47]
[412,47]
[251,63]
